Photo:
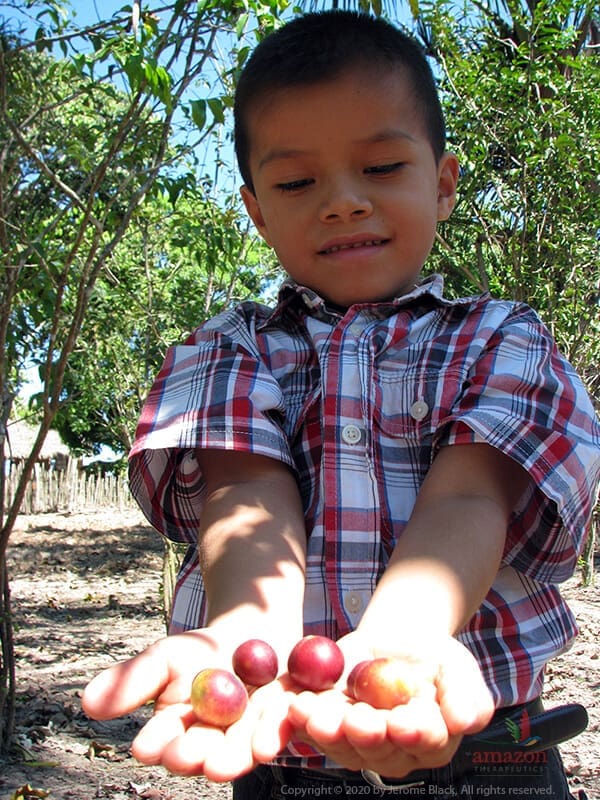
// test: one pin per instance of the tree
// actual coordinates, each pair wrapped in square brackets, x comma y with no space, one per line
[66,201]
[177,265]
[520,93]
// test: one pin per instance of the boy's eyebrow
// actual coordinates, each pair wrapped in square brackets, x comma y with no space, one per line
[387,135]
[281,155]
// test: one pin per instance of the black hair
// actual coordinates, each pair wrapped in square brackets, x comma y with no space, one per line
[318,47]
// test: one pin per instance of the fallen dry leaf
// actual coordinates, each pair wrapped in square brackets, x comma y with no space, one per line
[28,792]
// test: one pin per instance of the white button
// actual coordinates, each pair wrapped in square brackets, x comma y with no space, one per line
[351,434]
[353,602]
[419,410]
[189,464]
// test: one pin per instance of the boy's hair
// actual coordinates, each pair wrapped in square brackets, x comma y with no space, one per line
[319,47]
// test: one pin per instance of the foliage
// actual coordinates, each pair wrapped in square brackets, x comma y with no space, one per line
[521,98]
[176,266]
[78,158]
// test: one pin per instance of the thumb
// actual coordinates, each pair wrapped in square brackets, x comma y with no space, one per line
[164,670]
[464,698]
[125,686]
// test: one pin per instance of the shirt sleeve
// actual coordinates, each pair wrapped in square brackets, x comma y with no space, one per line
[524,398]
[213,391]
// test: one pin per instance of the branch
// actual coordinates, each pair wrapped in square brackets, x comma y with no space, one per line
[50,174]
[99,27]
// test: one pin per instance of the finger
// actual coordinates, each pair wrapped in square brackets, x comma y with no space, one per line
[365,729]
[232,755]
[186,754]
[125,686]
[365,726]
[466,702]
[317,720]
[273,729]
[301,709]
[326,722]
[339,751]
[159,731]
[417,726]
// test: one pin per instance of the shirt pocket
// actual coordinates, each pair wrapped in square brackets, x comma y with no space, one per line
[414,406]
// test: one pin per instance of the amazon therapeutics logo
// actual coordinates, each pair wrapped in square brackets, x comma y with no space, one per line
[517,733]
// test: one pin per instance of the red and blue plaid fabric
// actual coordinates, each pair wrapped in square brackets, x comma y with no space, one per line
[357,403]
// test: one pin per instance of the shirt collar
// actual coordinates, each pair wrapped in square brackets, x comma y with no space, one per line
[295,299]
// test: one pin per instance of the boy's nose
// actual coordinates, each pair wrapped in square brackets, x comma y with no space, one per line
[344,201]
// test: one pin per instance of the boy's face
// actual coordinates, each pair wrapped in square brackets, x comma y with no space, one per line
[346,186]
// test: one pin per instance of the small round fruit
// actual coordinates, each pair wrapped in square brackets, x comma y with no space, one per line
[255,662]
[219,698]
[385,683]
[315,663]
[353,676]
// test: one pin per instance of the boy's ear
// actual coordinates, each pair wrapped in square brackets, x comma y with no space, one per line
[447,181]
[254,212]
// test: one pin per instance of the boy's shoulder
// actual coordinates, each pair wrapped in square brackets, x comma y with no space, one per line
[480,309]
[485,303]
[247,312]
[239,321]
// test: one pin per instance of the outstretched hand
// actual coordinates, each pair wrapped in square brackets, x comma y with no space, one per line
[173,737]
[423,734]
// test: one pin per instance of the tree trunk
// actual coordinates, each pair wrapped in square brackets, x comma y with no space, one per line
[7,663]
[7,652]
[589,553]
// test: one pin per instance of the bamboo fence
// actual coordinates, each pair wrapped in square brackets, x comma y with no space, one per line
[68,489]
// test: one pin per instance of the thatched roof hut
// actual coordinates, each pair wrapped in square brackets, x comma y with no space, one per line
[20,438]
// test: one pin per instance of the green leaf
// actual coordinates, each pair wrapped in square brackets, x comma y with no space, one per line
[216,106]
[134,68]
[81,61]
[242,55]
[198,109]
[40,40]
[241,25]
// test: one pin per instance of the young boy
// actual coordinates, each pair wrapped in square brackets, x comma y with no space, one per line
[408,475]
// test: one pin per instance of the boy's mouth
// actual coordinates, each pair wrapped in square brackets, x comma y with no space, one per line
[336,248]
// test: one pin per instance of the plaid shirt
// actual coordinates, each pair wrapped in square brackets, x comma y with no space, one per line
[358,403]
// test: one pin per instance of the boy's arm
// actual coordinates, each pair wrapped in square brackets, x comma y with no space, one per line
[252,542]
[252,548]
[447,558]
[439,573]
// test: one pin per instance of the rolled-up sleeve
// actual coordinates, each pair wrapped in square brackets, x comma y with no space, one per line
[213,392]
[524,398]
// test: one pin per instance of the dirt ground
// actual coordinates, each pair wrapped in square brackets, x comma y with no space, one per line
[86,592]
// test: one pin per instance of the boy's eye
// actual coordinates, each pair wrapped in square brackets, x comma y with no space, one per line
[294,186]
[385,169]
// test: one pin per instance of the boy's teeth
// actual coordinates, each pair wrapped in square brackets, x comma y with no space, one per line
[336,248]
